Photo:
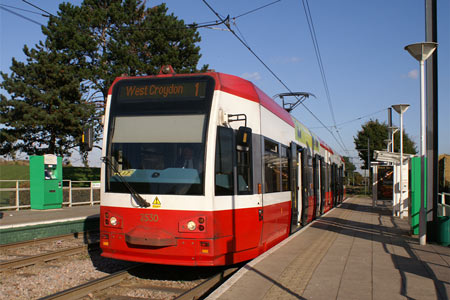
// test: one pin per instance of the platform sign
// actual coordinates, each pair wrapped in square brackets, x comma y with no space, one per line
[385,182]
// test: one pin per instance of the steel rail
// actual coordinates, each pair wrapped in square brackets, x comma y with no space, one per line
[204,287]
[27,261]
[91,286]
[113,279]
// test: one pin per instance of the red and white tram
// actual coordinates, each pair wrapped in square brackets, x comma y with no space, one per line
[206,170]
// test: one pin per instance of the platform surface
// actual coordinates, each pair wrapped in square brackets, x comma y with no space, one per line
[12,218]
[353,252]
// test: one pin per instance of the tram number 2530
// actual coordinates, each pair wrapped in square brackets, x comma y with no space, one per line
[149,218]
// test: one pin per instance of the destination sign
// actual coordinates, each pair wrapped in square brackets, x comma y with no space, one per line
[191,89]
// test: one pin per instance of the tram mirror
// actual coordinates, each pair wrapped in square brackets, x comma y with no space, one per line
[244,139]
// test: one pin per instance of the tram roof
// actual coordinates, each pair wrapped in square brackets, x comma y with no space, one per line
[239,87]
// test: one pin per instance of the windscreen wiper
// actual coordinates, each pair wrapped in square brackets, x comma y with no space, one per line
[138,198]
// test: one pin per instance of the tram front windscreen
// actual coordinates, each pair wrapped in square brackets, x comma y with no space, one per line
[156,135]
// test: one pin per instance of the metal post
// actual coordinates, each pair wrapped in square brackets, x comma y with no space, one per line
[70,193]
[432,113]
[401,165]
[17,195]
[375,186]
[421,52]
[423,140]
[422,223]
[443,204]
[91,195]
[393,144]
[368,162]
[390,130]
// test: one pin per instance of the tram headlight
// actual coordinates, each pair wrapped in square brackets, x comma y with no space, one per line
[191,225]
[113,221]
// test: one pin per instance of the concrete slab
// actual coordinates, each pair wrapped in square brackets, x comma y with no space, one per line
[353,252]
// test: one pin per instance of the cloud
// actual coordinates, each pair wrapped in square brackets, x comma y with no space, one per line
[251,76]
[413,74]
[294,59]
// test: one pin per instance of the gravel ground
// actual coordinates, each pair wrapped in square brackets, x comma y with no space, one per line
[151,281]
[39,248]
[47,278]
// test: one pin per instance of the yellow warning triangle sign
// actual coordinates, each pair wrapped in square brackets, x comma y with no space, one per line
[156,202]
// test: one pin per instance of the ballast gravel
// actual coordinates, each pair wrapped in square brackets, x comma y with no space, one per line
[152,282]
[44,279]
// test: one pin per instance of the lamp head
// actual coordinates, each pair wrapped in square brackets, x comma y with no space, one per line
[400,108]
[421,51]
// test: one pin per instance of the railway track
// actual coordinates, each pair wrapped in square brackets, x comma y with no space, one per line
[116,278]
[27,261]
[69,236]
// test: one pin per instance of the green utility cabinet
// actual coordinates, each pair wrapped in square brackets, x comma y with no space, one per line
[443,230]
[46,189]
[416,187]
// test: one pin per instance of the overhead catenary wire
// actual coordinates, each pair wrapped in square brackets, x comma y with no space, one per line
[188,26]
[37,7]
[256,9]
[273,73]
[207,25]
[321,67]
[24,10]
[21,16]
[355,119]
[235,25]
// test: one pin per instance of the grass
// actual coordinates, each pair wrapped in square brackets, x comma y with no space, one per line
[14,172]
[81,174]
[22,172]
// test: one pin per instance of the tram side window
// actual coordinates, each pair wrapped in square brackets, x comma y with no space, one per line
[244,168]
[272,182]
[224,162]
[284,169]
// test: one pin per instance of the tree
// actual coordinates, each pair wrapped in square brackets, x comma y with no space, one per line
[349,166]
[45,113]
[63,86]
[378,133]
[108,38]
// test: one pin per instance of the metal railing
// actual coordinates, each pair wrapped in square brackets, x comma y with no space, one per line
[443,207]
[21,189]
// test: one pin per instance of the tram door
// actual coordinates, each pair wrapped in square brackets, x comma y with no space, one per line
[308,202]
[334,184]
[317,191]
[322,186]
[299,188]
[341,184]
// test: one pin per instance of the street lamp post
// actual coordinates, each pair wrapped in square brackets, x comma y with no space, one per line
[421,52]
[401,108]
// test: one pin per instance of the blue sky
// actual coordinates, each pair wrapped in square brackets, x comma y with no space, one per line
[361,45]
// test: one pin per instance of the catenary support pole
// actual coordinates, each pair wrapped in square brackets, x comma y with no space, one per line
[432,114]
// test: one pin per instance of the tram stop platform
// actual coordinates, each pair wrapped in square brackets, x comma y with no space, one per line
[23,225]
[353,252]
